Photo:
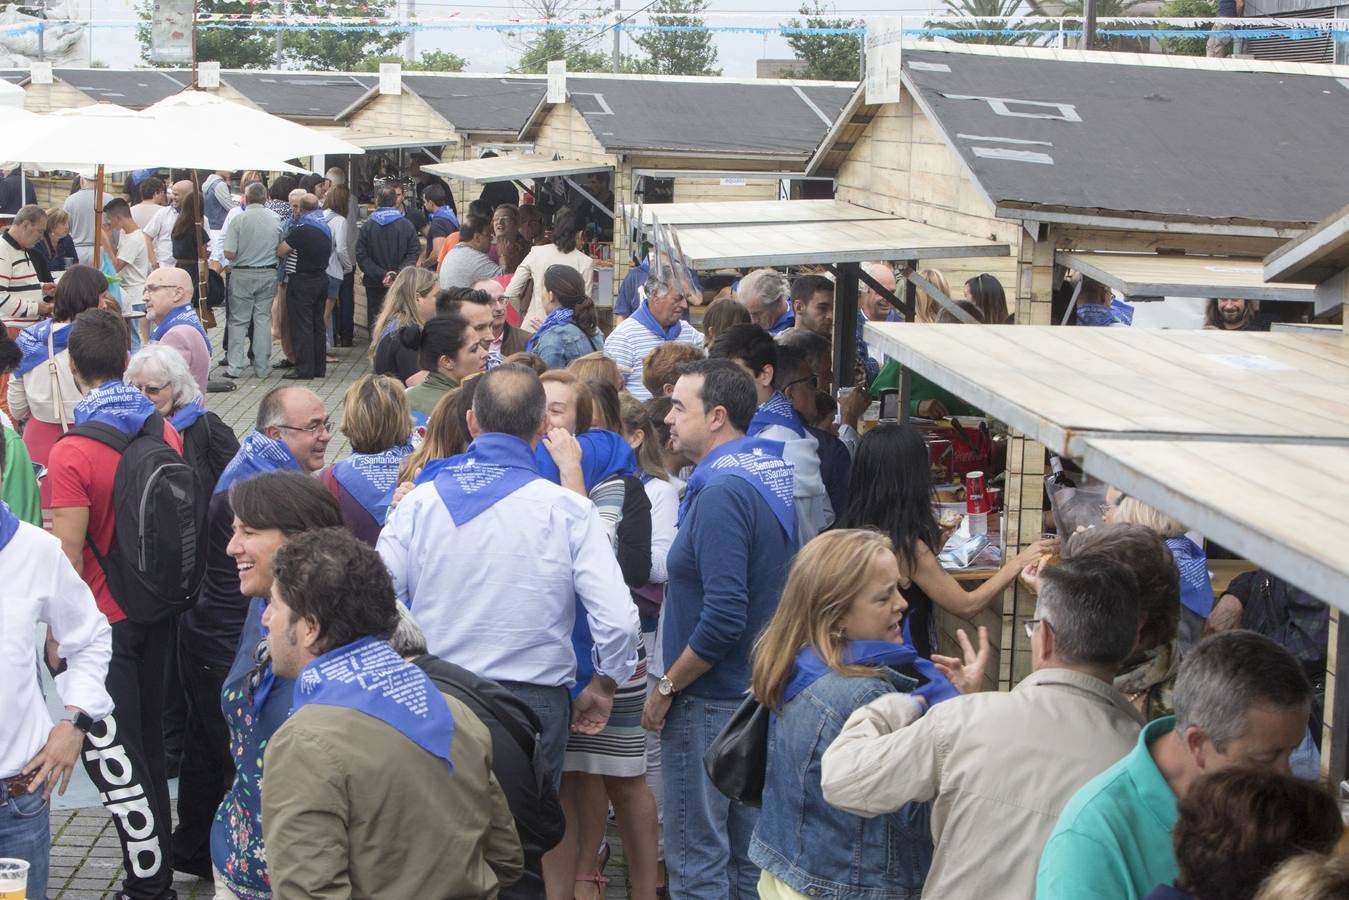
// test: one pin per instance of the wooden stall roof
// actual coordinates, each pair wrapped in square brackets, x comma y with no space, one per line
[801,243]
[1280,505]
[1063,386]
[1169,275]
[372,141]
[512,168]
[754,212]
[1319,253]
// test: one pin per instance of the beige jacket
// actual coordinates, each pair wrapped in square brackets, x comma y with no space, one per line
[353,809]
[530,272]
[998,768]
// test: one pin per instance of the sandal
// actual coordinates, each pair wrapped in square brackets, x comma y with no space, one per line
[601,883]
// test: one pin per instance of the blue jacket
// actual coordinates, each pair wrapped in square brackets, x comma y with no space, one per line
[812,847]
[559,346]
[727,566]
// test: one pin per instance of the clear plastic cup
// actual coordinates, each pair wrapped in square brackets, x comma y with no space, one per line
[13,879]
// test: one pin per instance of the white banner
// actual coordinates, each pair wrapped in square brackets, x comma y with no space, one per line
[171,31]
[557,81]
[884,34]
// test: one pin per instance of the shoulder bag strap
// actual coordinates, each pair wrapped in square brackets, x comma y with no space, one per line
[54,371]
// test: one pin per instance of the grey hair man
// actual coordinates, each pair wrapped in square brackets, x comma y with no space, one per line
[871,303]
[1241,702]
[767,294]
[23,299]
[667,298]
[1066,720]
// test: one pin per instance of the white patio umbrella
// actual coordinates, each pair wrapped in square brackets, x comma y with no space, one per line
[201,112]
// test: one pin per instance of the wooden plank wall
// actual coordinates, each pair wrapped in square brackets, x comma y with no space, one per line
[900,164]
[41,98]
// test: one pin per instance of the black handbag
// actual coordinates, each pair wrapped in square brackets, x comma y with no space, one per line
[737,761]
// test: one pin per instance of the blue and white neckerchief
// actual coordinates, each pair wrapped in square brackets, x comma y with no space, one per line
[369,677]
[563,315]
[495,466]
[32,342]
[446,214]
[756,461]
[183,314]
[9,524]
[1196,588]
[186,417]
[648,321]
[258,455]
[810,668]
[316,219]
[115,403]
[386,215]
[372,478]
[783,322]
[776,410]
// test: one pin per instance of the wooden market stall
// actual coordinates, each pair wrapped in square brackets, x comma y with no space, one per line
[1242,435]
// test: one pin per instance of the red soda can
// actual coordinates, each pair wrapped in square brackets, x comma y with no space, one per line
[976,493]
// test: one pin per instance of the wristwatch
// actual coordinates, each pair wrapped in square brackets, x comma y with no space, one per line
[665,687]
[81,720]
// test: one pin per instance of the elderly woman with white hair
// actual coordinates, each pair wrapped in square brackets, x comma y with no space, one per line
[162,375]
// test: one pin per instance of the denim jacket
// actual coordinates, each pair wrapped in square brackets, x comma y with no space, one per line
[559,346]
[809,845]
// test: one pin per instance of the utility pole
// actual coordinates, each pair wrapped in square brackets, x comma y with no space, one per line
[276,59]
[618,35]
[410,46]
[1089,25]
[42,29]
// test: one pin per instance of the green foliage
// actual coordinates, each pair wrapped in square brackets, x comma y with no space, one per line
[431,61]
[678,52]
[1187,9]
[550,45]
[254,48]
[985,14]
[832,57]
[1106,9]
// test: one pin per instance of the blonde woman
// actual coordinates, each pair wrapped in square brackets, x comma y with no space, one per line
[410,301]
[597,367]
[925,308]
[378,423]
[833,645]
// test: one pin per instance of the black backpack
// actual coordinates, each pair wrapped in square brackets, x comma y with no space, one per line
[158,554]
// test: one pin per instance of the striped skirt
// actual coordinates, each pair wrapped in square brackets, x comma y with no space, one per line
[620,749]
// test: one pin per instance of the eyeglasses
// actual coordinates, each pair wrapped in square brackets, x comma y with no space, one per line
[1030,625]
[151,288]
[812,379]
[151,390]
[311,428]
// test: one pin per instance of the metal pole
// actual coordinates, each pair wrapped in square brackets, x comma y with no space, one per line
[862,57]
[845,326]
[1089,26]
[618,35]
[42,30]
[410,48]
[195,8]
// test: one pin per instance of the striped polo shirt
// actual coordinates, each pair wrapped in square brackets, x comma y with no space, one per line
[631,341]
[20,291]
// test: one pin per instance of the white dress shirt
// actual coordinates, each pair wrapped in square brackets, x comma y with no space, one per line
[41,586]
[498,595]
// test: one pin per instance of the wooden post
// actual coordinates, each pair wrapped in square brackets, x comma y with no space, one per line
[1335,732]
[1023,492]
[98,215]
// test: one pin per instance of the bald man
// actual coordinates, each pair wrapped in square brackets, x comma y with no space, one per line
[160,229]
[168,296]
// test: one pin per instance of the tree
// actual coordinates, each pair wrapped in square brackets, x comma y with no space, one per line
[310,48]
[553,44]
[678,52]
[832,57]
[1188,9]
[984,13]
[431,61]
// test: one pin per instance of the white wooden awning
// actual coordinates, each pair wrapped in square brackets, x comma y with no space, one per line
[1158,275]
[803,243]
[1064,386]
[387,141]
[753,212]
[1317,255]
[1280,505]
[513,168]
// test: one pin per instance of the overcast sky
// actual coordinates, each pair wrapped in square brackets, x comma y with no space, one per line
[487,52]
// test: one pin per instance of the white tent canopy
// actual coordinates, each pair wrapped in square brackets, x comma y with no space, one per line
[204,113]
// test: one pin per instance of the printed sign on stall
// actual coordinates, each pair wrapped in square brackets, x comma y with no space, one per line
[171,31]
[883,37]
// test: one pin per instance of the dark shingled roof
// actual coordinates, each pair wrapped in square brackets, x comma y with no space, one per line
[315,95]
[14,76]
[479,104]
[768,119]
[1114,139]
[132,88]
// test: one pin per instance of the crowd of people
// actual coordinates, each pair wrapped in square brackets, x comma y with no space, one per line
[556,570]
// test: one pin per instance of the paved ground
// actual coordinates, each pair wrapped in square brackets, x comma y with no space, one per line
[86,861]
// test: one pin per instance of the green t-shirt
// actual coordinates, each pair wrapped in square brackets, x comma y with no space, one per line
[920,389]
[1113,839]
[18,483]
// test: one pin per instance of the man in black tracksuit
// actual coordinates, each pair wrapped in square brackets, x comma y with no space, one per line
[385,245]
